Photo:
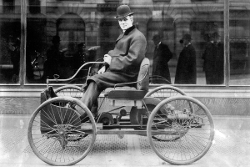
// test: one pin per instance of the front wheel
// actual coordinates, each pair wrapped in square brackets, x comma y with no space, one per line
[56,134]
[185,127]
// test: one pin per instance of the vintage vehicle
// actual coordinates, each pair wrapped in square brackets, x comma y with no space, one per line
[179,128]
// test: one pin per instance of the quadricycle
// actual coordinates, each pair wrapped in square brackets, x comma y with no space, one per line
[179,128]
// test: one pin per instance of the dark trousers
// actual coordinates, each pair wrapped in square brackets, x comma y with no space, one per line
[90,97]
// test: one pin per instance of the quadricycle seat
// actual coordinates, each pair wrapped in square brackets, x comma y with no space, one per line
[130,93]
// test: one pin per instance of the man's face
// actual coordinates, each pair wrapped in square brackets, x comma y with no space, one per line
[156,41]
[185,42]
[126,22]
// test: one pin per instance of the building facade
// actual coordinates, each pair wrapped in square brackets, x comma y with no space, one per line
[219,30]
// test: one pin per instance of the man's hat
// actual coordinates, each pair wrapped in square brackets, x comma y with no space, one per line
[156,36]
[187,37]
[123,11]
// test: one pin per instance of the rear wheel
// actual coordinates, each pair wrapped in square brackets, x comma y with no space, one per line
[56,134]
[165,91]
[70,91]
[185,127]
[160,93]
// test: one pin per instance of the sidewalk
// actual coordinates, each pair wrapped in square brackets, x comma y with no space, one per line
[231,147]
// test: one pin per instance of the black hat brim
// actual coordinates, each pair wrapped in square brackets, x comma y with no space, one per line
[120,17]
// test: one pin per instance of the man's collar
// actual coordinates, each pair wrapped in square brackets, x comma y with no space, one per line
[188,44]
[157,46]
[129,30]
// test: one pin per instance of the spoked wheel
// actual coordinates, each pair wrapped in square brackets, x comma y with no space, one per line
[161,93]
[56,134]
[69,91]
[72,91]
[165,91]
[186,128]
[157,79]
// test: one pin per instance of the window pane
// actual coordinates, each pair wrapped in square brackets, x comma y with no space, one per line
[55,40]
[239,43]
[10,33]
[86,30]
[199,59]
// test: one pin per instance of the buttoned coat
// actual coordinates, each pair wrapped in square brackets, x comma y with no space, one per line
[213,57]
[162,55]
[127,55]
[186,66]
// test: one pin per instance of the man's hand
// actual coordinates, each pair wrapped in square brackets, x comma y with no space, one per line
[107,59]
[102,70]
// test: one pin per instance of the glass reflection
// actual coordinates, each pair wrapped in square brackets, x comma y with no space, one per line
[239,43]
[92,24]
[10,33]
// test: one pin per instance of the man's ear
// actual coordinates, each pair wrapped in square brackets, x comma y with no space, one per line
[132,18]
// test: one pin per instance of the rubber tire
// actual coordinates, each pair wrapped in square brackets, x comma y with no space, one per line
[166,87]
[55,101]
[151,139]
[69,88]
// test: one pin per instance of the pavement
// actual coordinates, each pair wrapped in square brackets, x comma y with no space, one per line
[230,148]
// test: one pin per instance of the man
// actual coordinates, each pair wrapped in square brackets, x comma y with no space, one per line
[54,59]
[162,55]
[122,64]
[186,66]
[214,60]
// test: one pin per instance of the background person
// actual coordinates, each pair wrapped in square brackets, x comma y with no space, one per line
[54,59]
[186,66]
[162,55]
[213,57]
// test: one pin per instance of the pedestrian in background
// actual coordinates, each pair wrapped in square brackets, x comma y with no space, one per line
[213,57]
[54,59]
[162,55]
[186,66]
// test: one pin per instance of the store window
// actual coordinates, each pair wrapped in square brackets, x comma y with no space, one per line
[10,34]
[207,29]
[88,29]
[195,33]
[35,47]
[71,30]
[239,43]
[56,41]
